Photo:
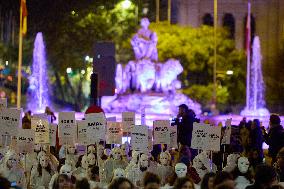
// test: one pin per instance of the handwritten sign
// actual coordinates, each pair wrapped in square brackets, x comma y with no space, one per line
[206,137]
[82,132]
[96,127]
[67,128]
[173,137]
[139,138]
[161,132]
[25,140]
[10,121]
[128,120]
[3,102]
[52,134]
[114,133]
[41,129]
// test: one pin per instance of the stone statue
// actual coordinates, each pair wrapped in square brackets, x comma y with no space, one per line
[144,42]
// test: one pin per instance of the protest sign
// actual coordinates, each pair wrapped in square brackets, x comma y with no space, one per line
[114,133]
[41,129]
[10,121]
[96,127]
[67,128]
[52,134]
[3,102]
[161,132]
[128,120]
[173,137]
[82,132]
[150,139]
[205,137]
[25,140]
[139,138]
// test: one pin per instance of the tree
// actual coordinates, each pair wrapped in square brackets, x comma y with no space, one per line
[194,47]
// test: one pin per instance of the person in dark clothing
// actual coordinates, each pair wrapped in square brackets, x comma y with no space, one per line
[184,122]
[256,138]
[279,165]
[265,177]
[275,136]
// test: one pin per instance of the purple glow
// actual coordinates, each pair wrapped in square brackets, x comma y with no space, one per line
[256,103]
[38,97]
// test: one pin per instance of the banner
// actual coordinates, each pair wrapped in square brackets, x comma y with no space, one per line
[114,133]
[10,121]
[67,128]
[52,134]
[206,137]
[82,132]
[128,120]
[226,139]
[96,127]
[41,129]
[173,137]
[161,132]
[139,138]
[3,102]
[25,140]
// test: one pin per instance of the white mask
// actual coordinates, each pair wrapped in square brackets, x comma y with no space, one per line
[164,158]
[12,161]
[91,159]
[91,149]
[43,161]
[84,162]
[116,153]
[118,173]
[66,170]
[243,164]
[71,149]
[144,162]
[181,170]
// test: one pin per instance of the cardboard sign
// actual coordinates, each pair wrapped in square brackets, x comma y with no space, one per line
[41,129]
[3,102]
[114,133]
[128,120]
[161,132]
[226,139]
[173,137]
[82,132]
[96,128]
[10,121]
[52,134]
[25,140]
[206,137]
[150,140]
[139,138]
[67,128]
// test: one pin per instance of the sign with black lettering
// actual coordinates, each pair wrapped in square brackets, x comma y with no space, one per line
[114,133]
[3,102]
[52,134]
[67,128]
[82,132]
[173,137]
[128,120]
[161,132]
[139,138]
[96,127]
[41,129]
[25,140]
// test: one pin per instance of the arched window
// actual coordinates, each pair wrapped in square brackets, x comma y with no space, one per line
[229,23]
[208,19]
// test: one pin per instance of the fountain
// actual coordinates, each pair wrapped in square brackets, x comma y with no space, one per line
[147,83]
[38,97]
[256,103]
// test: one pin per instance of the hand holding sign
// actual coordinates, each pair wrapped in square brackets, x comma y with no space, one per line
[67,128]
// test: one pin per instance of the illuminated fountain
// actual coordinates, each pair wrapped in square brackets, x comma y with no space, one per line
[146,82]
[256,103]
[38,97]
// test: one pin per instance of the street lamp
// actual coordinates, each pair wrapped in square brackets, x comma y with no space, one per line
[126,4]
[68,70]
[229,72]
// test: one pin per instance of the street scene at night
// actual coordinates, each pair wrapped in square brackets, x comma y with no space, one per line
[125,94]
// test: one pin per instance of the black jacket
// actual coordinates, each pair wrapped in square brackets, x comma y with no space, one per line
[275,140]
[184,129]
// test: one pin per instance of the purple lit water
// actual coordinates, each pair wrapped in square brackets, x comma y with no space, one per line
[38,97]
[255,93]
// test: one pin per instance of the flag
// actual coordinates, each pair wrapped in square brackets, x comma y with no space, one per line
[248,30]
[24,16]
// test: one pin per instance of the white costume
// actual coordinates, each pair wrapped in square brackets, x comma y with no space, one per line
[203,164]
[243,166]
[81,172]
[231,162]
[164,169]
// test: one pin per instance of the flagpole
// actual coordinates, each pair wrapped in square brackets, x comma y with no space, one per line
[20,58]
